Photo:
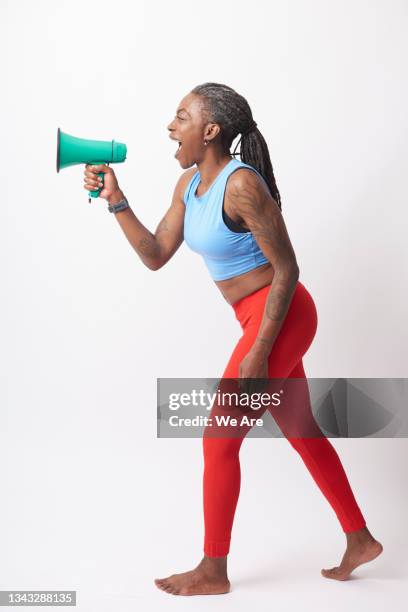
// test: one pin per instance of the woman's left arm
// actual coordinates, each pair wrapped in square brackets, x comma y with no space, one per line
[250,198]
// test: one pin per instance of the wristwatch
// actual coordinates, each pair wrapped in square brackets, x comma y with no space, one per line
[114,208]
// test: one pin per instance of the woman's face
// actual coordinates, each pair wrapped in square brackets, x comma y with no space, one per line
[188,128]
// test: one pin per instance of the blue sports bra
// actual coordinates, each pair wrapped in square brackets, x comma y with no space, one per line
[226,253]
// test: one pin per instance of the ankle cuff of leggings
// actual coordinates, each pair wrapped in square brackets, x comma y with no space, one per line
[216,549]
[356,526]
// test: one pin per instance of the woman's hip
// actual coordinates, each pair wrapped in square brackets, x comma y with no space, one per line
[301,313]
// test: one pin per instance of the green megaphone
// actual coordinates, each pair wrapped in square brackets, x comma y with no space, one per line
[72,151]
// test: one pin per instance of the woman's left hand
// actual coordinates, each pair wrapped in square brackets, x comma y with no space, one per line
[254,365]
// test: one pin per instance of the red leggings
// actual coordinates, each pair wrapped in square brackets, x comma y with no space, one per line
[222,475]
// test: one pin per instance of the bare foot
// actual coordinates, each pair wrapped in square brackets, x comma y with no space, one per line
[208,578]
[361,548]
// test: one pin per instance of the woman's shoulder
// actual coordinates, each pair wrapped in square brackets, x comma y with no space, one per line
[189,173]
[185,180]
[244,175]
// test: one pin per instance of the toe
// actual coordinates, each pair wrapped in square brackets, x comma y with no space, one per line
[336,573]
[163,584]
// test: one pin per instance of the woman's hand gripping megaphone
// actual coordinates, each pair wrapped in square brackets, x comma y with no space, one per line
[102,177]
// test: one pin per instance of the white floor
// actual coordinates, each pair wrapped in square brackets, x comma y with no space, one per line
[106,523]
[285,579]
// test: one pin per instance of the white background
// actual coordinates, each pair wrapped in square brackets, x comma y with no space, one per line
[92,500]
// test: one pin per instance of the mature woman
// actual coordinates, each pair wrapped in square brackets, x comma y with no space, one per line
[229,211]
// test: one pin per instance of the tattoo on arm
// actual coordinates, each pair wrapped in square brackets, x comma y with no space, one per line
[251,199]
[279,298]
[162,227]
[148,246]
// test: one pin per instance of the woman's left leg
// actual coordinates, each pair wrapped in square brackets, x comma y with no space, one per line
[297,423]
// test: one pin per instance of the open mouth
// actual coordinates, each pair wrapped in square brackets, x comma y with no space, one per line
[178,150]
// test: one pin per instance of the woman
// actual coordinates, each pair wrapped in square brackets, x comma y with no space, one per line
[230,212]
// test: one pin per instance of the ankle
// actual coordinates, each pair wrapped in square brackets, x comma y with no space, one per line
[214,566]
[359,536]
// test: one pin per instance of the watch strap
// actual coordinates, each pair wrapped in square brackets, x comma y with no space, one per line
[114,208]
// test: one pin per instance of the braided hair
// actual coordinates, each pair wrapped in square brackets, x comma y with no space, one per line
[223,105]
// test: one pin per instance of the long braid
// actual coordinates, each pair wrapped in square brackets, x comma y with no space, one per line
[223,105]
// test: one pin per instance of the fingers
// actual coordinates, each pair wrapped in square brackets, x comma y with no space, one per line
[100,168]
[92,184]
[252,385]
[92,180]
[92,171]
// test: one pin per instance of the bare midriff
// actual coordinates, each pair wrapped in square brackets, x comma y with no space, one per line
[234,289]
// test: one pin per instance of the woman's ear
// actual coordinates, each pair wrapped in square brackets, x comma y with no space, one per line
[211,131]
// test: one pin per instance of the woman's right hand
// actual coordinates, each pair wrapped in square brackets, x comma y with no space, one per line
[111,189]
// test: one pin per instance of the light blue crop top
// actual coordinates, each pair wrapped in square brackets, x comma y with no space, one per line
[226,253]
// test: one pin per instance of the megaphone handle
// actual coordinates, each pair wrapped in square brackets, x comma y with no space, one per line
[95,194]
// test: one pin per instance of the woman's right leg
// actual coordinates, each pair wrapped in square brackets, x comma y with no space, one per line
[222,471]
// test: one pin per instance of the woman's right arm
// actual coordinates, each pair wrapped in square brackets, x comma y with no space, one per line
[153,249]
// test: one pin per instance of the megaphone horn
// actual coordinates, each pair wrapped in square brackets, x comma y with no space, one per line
[72,151]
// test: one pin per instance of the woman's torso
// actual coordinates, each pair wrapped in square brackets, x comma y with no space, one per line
[234,289]
[241,284]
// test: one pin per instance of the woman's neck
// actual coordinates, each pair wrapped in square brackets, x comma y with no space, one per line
[210,167]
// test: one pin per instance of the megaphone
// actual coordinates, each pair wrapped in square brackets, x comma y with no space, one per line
[72,151]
